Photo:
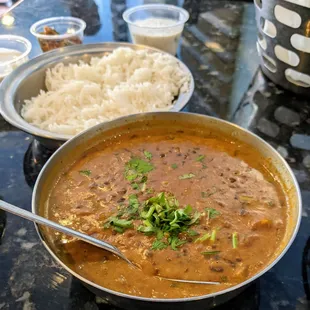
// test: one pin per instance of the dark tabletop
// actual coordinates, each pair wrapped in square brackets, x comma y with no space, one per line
[218,46]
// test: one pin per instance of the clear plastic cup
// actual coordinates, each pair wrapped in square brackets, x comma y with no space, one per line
[56,32]
[14,51]
[157,25]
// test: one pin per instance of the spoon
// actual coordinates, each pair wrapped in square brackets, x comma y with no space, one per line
[12,7]
[68,231]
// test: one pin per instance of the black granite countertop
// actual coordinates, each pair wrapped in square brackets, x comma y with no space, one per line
[218,46]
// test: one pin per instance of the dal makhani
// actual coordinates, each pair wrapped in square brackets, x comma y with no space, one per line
[178,205]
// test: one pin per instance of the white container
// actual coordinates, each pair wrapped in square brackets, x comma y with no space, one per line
[14,51]
[156,25]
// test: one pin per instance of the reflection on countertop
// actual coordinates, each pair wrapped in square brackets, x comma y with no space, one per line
[218,46]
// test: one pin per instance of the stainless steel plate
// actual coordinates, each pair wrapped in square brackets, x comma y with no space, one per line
[206,125]
[27,81]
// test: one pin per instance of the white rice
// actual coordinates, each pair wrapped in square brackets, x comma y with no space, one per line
[124,82]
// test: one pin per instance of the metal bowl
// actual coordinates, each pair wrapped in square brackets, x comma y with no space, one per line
[76,147]
[26,82]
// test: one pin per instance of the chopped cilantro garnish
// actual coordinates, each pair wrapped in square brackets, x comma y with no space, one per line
[132,176]
[140,166]
[137,168]
[210,252]
[159,245]
[162,216]
[150,191]
[135,171]
[133,200]
[174,166]
[234,240]
[159,234]
[120,230]
[119,225]
[200,158]
[135,186]
[148,155]
[143,179]
[203,238]
[212,213]
[133,205]
[192,233]
[123,219]
[85,172]
[175,242]
[143,187]
[195,218]
[213,235]
[148,230]
[186,176]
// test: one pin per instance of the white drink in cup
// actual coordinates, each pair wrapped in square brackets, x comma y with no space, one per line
[156,25]
[14,51]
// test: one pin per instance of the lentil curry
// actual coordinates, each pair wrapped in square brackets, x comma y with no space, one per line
[178,205]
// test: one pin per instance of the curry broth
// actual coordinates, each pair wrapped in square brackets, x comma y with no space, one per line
[226,182]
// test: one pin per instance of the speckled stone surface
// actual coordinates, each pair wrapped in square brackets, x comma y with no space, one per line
[219,47]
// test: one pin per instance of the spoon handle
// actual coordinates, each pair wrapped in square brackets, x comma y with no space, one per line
[12,7]
[68,231]
[190,281]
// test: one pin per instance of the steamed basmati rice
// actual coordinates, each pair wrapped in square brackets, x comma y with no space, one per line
[123,82]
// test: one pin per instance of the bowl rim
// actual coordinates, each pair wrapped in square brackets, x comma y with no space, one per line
[75,141]
[167,7]
[41,22]
[20,39]
[11,82]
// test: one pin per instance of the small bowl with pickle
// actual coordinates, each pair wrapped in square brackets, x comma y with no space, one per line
[56,32]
